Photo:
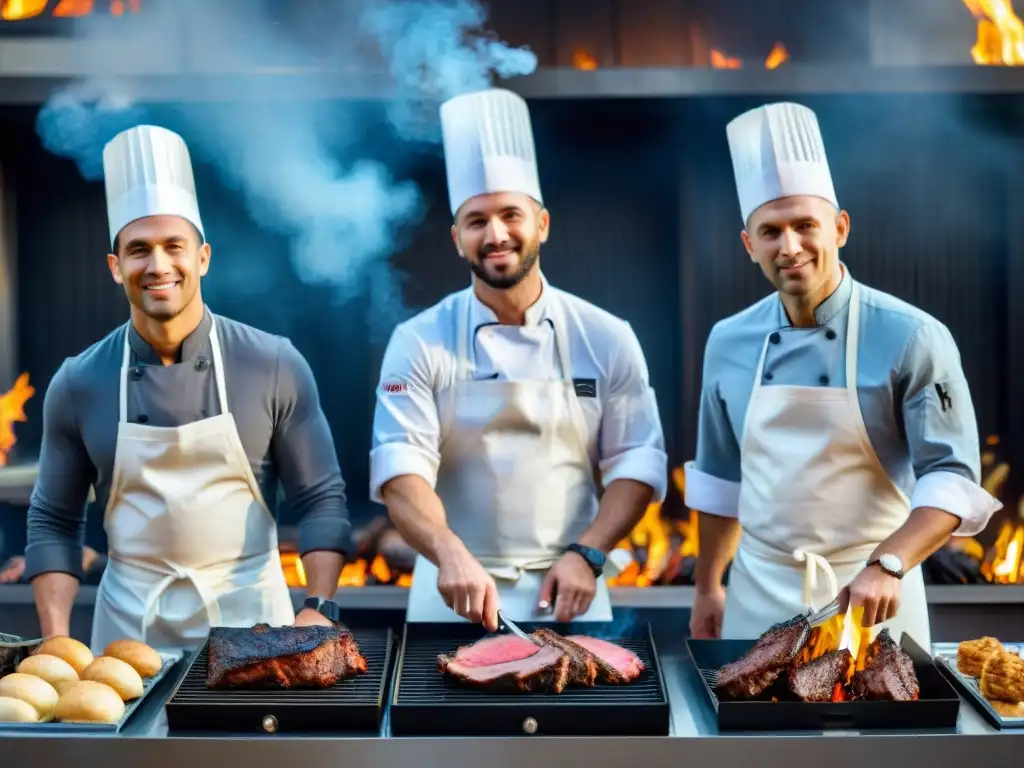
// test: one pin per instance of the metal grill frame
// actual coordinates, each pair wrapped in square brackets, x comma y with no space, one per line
[937,708]
[945,655]
[518,714]
[283,711]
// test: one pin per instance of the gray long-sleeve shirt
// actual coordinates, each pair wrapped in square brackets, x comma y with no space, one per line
[271,394]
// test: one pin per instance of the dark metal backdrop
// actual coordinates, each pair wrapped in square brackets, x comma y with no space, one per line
[645,223]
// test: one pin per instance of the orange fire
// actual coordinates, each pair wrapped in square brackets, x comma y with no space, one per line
[15,10]
[1004,564]
[1000,33]
[353,574]
[840,632]
[12,409]
[776,58]
[720,61]
[583,60]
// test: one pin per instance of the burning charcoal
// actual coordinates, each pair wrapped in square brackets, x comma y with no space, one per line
[948,566]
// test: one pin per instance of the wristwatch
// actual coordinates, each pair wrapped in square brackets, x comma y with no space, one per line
[595,558]
[328,608]
[888,563]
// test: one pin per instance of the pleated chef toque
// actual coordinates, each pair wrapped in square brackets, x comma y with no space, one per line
[148,172]
[488,146]
[777,151]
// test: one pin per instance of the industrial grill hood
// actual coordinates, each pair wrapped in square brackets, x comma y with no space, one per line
[587,49]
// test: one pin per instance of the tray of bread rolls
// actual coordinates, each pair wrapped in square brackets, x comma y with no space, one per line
[58,685]
[990,673]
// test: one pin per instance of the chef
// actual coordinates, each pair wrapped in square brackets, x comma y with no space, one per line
[516,437]
[184,422]
[838,446]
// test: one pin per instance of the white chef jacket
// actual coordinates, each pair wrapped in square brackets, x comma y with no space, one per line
[624,432]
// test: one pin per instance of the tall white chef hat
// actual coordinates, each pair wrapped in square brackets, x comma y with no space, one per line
[488,146]
[777,151]
[148,172]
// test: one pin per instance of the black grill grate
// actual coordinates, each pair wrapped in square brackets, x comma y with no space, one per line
[353,705]
[425,702]
[938,706]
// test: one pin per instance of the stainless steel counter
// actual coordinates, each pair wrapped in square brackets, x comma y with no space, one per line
[694,739]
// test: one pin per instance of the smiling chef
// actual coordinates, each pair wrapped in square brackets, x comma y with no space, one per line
[837,438]
[183,421]
[499,405]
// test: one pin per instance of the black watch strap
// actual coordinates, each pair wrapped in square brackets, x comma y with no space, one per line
[328,608]
[595,558]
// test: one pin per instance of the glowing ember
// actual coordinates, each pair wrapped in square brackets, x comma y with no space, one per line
[720,61]
[778,56]
[16,10]
[13,10]
[12,409]
[583,60]
[1000,33]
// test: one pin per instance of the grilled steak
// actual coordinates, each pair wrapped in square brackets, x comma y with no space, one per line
[753,673]
[496,649]
[281,657]
[890,676]
[583,665]
[816,680]
[545,670]
[615,664]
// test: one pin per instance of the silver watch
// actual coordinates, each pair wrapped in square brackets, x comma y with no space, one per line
[888,563]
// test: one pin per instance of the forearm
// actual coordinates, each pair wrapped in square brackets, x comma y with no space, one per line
[717,540]
[54,595]
[323,568]
[926,530]
[418,514]
[622,505]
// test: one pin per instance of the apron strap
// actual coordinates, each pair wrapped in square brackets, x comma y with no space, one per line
[178,573]
[122,390]
[812,564]
[853,339]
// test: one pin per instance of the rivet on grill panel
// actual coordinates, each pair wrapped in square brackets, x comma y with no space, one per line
[270,724]
[529,725]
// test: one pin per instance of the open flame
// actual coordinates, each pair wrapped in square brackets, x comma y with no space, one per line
[842,632]
[584,60]
[12,409]
[16,10]
[1000,33]
[776,58]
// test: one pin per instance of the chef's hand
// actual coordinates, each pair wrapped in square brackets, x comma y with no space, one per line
[309,617]
[707,612]
[468,589]
[571,584]
[876,591]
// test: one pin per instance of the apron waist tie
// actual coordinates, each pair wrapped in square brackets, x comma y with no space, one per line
[812,564]
[180,573]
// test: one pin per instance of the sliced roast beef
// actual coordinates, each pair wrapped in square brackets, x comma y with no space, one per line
[583,665]
[496,649]
[545,670]
[615,664]
[816,680]
[754,672]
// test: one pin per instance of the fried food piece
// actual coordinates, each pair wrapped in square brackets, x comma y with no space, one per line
[1003,709]
[971,655]
[1002,678]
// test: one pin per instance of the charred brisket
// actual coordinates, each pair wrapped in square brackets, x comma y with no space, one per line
[750,675]
[281,657]
[583,665]
[890,676]
[816,680]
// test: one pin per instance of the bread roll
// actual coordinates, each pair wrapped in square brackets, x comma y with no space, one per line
[119,675]
[74,652]
[90,702]
[33,690]
[144,659]
[52,669]
[17,711]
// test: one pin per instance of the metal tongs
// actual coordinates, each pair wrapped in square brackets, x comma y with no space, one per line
[504,623]
[824,614]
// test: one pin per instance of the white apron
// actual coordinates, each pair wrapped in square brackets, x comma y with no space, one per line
[813,498]
[516,482]
[191,543]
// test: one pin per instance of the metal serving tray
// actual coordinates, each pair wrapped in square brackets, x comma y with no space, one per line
[353,705]
[937,707]
[424,702]
[945,655]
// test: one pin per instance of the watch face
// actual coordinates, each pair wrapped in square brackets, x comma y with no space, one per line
[891,563]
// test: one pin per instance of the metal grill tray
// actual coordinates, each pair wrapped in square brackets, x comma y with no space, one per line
[148,684]
[938,705]
[945,655]
[353,705]
[425,702]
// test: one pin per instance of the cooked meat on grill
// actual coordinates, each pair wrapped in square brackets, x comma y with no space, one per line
[496,649]
[753,673]
[890,676]
[545,670]
[816,680]
[583,665]
[281,657]
[615,664]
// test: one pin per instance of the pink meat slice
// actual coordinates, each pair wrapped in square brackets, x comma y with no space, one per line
[623,660]
[499,649]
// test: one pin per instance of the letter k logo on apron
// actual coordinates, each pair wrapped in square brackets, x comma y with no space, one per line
[814,499]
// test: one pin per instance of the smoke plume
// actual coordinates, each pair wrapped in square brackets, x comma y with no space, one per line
[302,166]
